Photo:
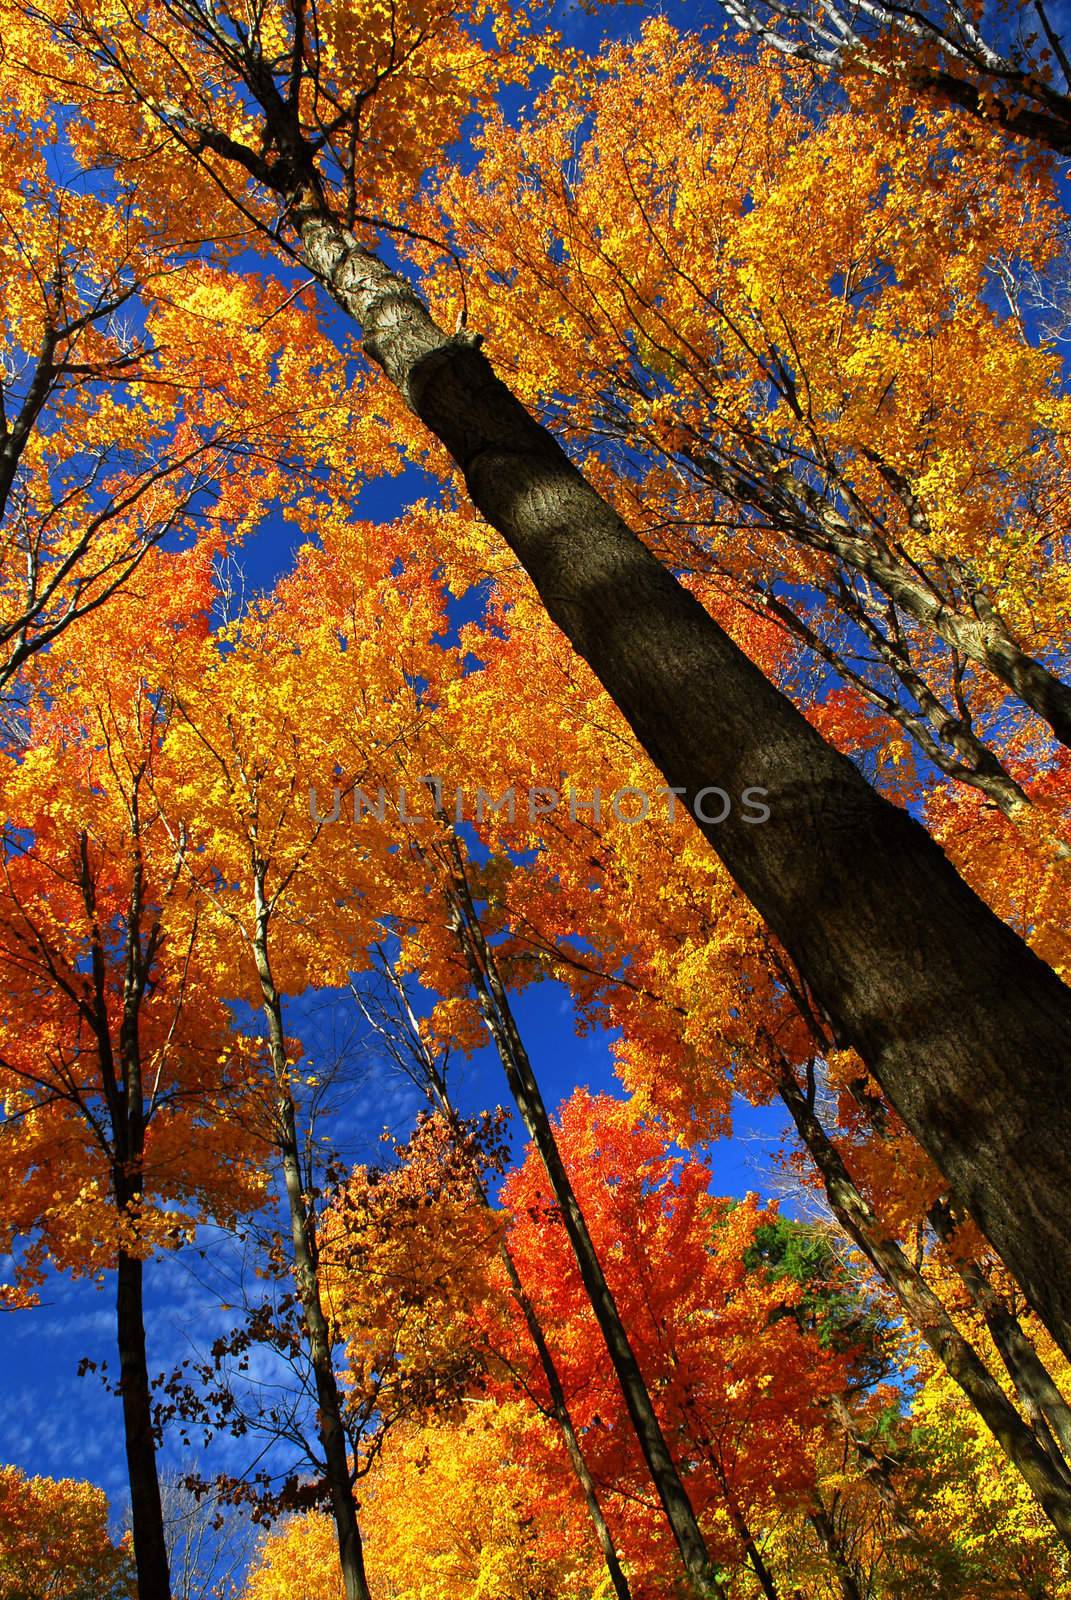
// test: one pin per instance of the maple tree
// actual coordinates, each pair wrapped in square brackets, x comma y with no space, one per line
[734,1410]
[117,1059]
[276,882]
[281,132]
[298,1563]
[802,482]
[143,400]
[804,540]
[55,1543]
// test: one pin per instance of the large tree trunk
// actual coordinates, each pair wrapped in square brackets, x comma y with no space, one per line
[146,1513]
[505,1035]
[927,1313]
[965,1029]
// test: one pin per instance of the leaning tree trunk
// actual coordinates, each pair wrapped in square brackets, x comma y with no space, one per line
[307,1284]
[756,1559]
[432,1083]
[146,1512]
[559,1405]
[927,1313]
[501,1025]
[971,627]
[1044,1406]
[965,1029]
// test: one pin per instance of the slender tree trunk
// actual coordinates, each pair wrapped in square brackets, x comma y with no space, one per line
[965,1029]
[146,1512]
[756,1559]
[877,1473]
[307,1283]
[559,1405]
[329,1405]
[929,1316]
[432,1082]
[1043,1404]
[501,1025]
[127,1111]
[562,1416]
[979,633]
[822,1523]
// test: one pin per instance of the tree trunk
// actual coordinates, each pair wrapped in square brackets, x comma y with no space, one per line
[928,1315]
[501,1025]
[1044,1406]
[146,1513]
[755,1557]
[822,1523]
[307,1283]
[559,1405]
[965,1029]
[329,1406]
[877,1473]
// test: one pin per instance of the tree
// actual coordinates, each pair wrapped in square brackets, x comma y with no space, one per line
[455,1510]
[134,400]
[960,1023]
[740,1382]
[705,1002]
[55,1544]
[843,476]
[287,899]
[117,1060]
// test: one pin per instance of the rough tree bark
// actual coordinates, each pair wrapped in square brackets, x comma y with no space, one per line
[965,1029]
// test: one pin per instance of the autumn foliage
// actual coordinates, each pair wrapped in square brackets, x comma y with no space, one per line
[279,684]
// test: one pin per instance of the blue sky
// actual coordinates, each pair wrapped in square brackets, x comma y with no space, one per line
[55,1423]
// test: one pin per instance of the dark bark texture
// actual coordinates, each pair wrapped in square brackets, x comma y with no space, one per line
[146,1512]
[964,1028]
